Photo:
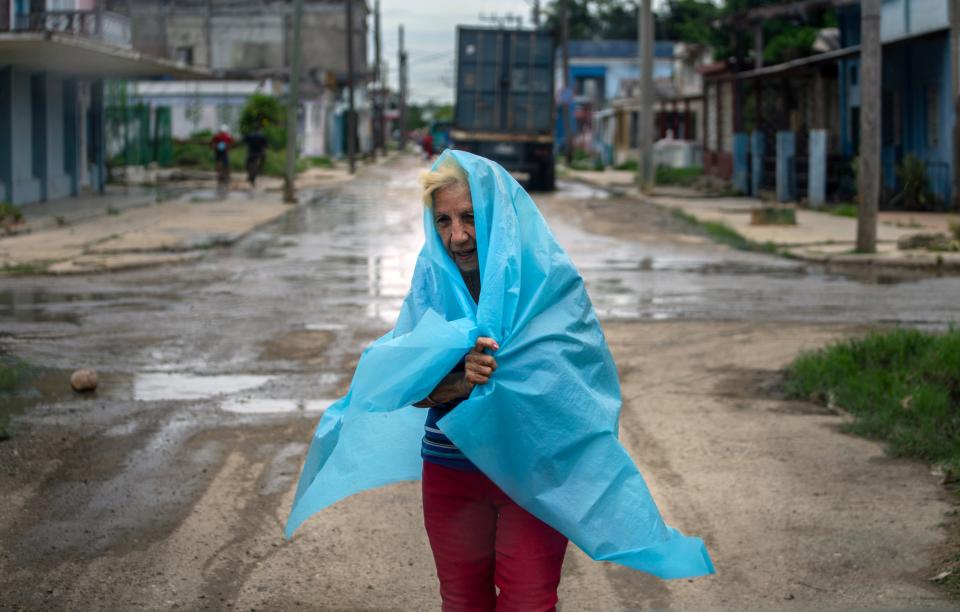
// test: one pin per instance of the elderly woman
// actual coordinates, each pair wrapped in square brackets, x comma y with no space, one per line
[498,338]
[479,536]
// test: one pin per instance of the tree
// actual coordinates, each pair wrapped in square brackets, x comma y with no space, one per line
[694,21]
[267,113]
[690,21]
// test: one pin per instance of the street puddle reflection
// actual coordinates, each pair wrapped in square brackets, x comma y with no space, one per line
[159,386]
[275,406]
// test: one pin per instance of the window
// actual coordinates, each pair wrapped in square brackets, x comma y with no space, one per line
[185,55]
[854,69]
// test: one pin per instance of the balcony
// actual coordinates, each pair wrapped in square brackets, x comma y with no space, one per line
[111,28]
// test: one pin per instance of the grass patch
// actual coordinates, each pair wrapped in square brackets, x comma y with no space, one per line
[630,164]
[683,177]
[10,214]
[721,233]
[724,234]
[321,161]
[199,155]
[902,387]
[27,269]
[844,210]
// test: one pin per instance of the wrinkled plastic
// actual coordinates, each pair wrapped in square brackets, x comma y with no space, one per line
[544,428]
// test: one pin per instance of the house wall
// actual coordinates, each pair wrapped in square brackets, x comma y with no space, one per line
[916,83]
[58,179]
[916,112]
[24,186]
[39,138]
[261,39]
[898,18]
[6,119]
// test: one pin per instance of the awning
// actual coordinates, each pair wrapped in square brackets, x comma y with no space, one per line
[83,57]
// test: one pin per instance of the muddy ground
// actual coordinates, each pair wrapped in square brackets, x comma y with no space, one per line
[169,489]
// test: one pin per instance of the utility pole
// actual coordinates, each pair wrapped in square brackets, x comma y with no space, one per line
[351,117]
[869,172]
[567,97]
[645,174]
[381,141]
[536,14]
[954,8]
[207,33]
[293,104]
[403,92]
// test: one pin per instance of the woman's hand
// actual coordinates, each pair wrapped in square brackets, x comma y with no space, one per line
[478,366]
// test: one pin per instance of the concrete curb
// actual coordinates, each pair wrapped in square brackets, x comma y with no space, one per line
[919,260]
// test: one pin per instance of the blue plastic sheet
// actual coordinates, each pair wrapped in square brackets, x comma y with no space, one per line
[544,428]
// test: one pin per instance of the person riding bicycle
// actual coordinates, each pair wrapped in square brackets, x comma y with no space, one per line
[256,153]
[221,142]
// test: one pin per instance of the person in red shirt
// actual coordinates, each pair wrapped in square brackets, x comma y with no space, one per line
[427,144]
[221,143]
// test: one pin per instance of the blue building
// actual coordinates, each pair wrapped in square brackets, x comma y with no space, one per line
[53,66]
[598,68]
[916,110]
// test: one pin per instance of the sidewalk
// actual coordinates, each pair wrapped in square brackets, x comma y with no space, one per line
[128,228]
[818,236]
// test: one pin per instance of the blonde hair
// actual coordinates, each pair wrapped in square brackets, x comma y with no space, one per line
[448,174]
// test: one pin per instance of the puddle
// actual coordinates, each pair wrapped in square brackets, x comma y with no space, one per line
[275,406]
[37,304]
[575,190]
[325,326]
[160,386]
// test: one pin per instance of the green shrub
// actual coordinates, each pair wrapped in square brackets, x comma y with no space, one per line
[630,164]
[268,113]
[684,177]
[846,209]
[581,155]
[10,214]
[902,387]
[321,161]
[915,193]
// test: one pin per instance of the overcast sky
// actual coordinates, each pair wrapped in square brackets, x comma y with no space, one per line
[430,37]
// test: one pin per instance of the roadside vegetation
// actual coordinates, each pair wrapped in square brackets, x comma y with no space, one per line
[264,111]
[724,234]
[683,177]
[845,209]
[901,386]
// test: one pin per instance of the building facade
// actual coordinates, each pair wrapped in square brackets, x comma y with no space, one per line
[248,44]
[54,59]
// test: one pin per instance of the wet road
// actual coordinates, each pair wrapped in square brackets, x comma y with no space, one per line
[246,347]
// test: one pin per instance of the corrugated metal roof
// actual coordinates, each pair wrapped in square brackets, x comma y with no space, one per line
[617,48]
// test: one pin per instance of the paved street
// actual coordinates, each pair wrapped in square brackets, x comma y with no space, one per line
[170,487]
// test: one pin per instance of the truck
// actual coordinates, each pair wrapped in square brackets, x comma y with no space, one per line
[504,106]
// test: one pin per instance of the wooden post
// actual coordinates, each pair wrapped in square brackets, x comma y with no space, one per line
[870,89]
[293,104]
[351,112]
[402,64]
[567,105]
[645,169]
[954,9]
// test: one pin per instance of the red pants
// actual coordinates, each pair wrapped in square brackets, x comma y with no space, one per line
[481,539]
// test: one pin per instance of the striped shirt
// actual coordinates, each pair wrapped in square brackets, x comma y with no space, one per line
[436,447]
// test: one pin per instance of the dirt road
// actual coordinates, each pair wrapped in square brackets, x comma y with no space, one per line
[170,488]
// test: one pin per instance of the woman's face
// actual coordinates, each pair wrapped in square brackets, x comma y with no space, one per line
[453,218]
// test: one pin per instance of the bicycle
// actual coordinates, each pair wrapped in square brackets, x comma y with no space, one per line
[223,178]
